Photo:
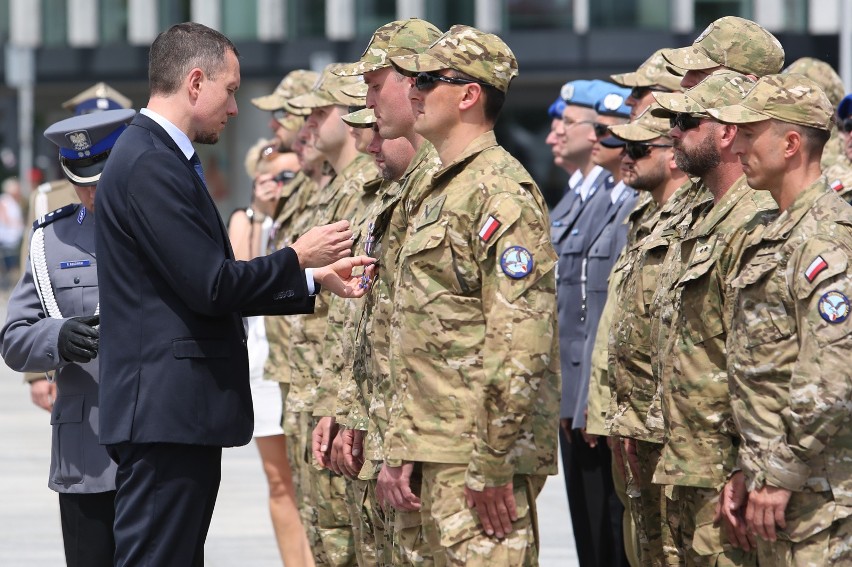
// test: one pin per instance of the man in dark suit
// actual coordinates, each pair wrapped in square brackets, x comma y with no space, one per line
[175,386]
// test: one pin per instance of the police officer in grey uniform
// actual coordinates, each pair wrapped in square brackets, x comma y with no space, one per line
[51,325]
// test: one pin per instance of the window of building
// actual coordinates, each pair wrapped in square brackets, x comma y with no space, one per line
[306,18]
[172,12]
[708,11]
[112,21]
[370,14]
[54,22]
[239,19]
[539,14]
[446,13]
[4,21]
[641,14]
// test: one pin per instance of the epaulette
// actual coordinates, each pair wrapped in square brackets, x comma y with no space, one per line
[57,214]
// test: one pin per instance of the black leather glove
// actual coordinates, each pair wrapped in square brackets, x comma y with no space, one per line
[78,339]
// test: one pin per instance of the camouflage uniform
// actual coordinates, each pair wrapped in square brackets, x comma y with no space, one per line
[789,334]
[839,177]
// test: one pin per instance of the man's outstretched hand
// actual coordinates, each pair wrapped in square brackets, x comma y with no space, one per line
[338,278]
[323,245]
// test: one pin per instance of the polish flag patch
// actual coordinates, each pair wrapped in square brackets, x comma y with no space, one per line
[818,265]
[837,185]
[488,229]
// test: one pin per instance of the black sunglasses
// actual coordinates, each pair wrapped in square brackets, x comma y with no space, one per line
[684,121]
[639,92]
[639,150]
[601,130]
[845,125]
[424,81]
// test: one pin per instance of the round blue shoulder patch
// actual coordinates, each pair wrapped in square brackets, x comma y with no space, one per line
[517,262]
[834,307]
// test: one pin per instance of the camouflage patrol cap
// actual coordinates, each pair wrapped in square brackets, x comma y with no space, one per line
[786,97]
[96,98]
[328,91]
[734,43]
[402,37]
[822,74]
[364,118]
[357,90]
[722,88]
[643,128]
[293,84]
[652,73]
[483,56]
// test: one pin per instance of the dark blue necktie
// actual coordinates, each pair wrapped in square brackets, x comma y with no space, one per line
[196,163]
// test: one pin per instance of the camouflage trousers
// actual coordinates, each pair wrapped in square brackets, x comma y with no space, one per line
[454,533]
[803,544]
[360,508]
[647,507]
[333,525]
[621,480]
[697,542]
[297,427]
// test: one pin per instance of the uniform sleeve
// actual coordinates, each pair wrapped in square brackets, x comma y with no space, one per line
[332,360]
[517,264]
[820,392]
[29,339]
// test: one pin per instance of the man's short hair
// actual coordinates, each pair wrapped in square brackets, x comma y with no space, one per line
[493,99]
[815,139]
[182,48]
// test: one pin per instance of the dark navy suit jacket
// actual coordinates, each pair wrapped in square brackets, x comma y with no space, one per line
[173,359]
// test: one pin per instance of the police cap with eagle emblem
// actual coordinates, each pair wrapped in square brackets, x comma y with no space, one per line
[85,141]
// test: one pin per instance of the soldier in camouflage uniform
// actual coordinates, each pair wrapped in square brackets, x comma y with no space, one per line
[791,333]
[652,76]
[830,82]
[474,348]
[729,43]
[699,449]
[285,120]
[398,533]
[649,167]
[327,101]
[838,169]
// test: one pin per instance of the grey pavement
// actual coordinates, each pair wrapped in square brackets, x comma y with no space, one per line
[241,532]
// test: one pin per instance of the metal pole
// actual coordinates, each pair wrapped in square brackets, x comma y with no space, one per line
[26,94]
[846,44]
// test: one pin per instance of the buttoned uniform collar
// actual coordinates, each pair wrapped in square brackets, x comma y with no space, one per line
[719,211]
[787,221]
[615,192]
[584,189]
[175,133]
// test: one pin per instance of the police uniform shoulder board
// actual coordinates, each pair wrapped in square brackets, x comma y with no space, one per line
[55,215]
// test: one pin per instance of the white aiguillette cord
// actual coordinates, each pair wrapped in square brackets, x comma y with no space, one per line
[41,277]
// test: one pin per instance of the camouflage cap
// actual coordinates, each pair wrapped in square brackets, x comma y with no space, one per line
[788,97]
[292,122]
[652,73]
[402,37]
[357,90]
[364,118]
[722,88]
[822,74]
[328,91]
[643,128]
[98,97]
[483,56]
[734,43]
[293,84]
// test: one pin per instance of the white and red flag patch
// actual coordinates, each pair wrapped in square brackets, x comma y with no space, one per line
[818,265]
[837,185]
[488,229]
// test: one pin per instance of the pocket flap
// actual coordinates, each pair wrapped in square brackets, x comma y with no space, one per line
[75,277]
[67,409]
[200,348]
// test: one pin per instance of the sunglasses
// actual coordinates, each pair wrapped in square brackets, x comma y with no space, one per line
[639,150]
[845,125]
[601,130]
[639,92]
[684,121]
[424,81]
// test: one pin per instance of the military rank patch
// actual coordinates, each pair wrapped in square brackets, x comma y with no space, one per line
[834,307]
[837,185]
[517,262]
[488,229]
[815,268]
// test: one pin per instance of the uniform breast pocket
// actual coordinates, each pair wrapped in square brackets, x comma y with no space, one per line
[701,304]
[67,421]
[763,320]
[570,256]
[75,289]
[429,261]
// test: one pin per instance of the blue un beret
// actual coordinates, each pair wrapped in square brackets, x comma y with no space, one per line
[85,142]
[584,93]
[612,102]
[844,109]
